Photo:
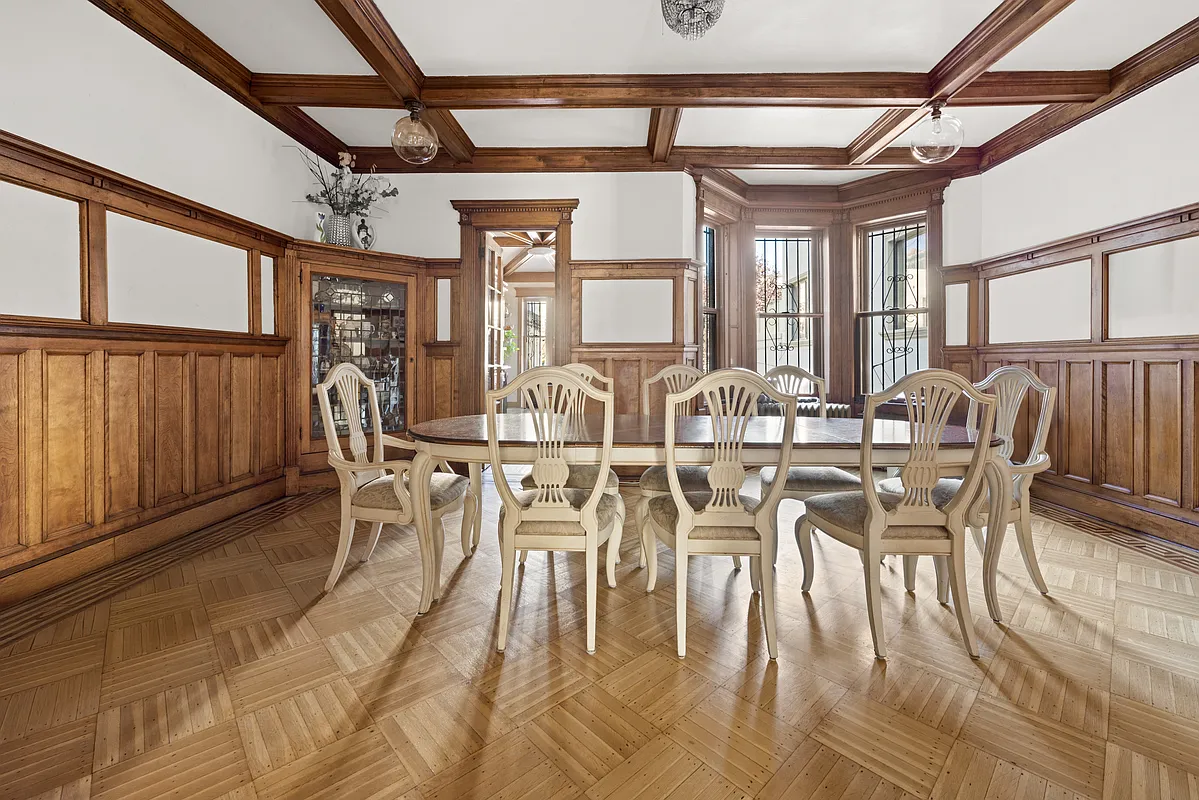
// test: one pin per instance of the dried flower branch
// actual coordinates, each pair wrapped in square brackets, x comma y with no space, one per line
[343,191]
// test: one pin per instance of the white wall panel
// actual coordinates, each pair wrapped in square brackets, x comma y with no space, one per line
[628,310]
[957,314]
[160,276]
[1042,305]
[39,254]
[1152,291]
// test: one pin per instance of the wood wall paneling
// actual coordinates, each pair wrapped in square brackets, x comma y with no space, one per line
[1115,402]
[1160,456]
[124,414]
[12,530]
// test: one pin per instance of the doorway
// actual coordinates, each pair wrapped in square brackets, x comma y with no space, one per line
[521,267]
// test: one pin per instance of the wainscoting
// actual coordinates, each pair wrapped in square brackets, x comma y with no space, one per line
[1123,438]
[105,436]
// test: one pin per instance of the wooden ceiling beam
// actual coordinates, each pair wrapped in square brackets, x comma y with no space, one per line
[639,159]
[361,22]
[1035,88]
[1154,64]
[164,27]
[997,35]
[323,91]
[663,128]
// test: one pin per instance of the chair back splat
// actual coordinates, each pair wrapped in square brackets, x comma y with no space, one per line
[798,382]
[929,397]
[675,378]
[1010,385]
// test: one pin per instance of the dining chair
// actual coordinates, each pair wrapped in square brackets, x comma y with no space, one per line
[911,522]
[553,515]
[1010,385]
[720,520]
[582,476]
[804,481]
[375,489]
[675,378]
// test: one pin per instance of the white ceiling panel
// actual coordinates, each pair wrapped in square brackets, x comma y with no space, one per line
[275,35]
[1099,34]
[774,127]
[556,127]
[485,37]
[358,127]
[983,123]
[803,177]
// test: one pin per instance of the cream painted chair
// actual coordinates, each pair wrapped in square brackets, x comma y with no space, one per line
[805,481]
[720,520]
[910,522]
[376,490]
[582,476]
[553,515]
[1010,385]
[675,378]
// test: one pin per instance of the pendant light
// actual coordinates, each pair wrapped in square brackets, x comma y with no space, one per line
[413,139]
[937,137]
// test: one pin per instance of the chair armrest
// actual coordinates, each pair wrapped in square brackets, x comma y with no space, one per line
[403,444]
[1038,464]
[397,467]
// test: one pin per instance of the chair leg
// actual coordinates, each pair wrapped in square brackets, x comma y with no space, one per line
[640,512]
[1028,550]
[649,548]
[592,579]
[438,552]
[941,565]
[373,541]
[612,556]
[475,472]
[774,525]
[767,581]
[755,583]
[524,554]
[507,573]
[680,597]
[803,537]
[874,604]
[976,533]
[961,597]
[470,507]
[737,562]
[909,573]
[345,539]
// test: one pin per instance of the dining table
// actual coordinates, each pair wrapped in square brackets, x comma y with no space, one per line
[639,440]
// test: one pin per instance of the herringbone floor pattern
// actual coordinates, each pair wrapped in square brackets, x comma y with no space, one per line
[230,675]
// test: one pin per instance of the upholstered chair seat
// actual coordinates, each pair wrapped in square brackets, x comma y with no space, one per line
[582,476]
[812,479]
[610,506]
[444,489]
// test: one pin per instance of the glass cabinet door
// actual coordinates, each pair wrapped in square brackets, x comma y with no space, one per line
[363,322]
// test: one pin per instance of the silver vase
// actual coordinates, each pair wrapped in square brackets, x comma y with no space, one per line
[337,230]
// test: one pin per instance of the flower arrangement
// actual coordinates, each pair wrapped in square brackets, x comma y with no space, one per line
[345,193]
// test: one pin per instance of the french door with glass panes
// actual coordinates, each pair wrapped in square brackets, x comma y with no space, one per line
[362,317]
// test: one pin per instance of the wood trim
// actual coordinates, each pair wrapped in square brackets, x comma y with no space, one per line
[997,35]
[164,27]
[818,89]
[1156,63]
[93,240]
[639,159]
[663,128]
[372,36]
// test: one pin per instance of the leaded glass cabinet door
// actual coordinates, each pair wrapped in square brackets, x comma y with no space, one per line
[363,321]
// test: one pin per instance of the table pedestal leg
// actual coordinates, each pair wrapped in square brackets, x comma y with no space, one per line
[999,486]
[418,484]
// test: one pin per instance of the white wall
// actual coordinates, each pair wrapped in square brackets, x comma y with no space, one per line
[632,310]
[1131,161]
[620,215]
[77,80]
[39,254]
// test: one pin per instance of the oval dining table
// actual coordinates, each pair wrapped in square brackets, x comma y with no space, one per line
[640,440]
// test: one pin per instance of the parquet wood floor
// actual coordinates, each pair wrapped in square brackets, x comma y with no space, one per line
[228,674]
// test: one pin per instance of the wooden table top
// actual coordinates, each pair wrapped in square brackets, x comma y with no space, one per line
[649,430]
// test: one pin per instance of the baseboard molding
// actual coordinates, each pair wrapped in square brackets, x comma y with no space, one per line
[1133,517]
[69,565]
[26,616]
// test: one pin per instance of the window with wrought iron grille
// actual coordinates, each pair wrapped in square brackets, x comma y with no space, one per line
[707,289]
[534,348]
[892,327]
[790,322]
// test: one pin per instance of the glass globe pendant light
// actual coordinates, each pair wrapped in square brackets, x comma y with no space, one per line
[937,137]
[413,139]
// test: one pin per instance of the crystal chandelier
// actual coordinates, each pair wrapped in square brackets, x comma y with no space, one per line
[413,139]
[937,137]
[691,19]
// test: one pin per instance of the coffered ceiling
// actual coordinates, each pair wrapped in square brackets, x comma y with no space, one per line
[818,86]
